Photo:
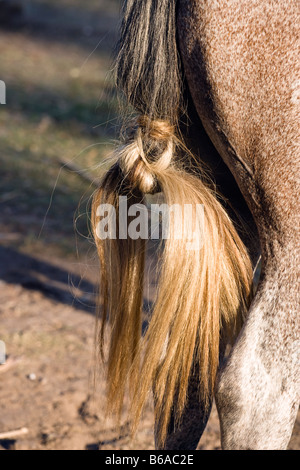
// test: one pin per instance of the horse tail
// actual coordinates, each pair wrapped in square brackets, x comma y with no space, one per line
[200,291]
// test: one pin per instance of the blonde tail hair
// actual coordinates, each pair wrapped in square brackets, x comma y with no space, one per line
[200,292]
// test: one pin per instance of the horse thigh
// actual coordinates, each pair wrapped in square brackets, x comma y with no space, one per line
[241,60]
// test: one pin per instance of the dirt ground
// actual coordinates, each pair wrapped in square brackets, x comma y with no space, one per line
[46,386]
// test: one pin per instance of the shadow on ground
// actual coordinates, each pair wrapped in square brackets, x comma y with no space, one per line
[55,283]
[91,25]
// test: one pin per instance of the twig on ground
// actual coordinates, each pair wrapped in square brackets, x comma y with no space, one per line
[13,434]
[79,171]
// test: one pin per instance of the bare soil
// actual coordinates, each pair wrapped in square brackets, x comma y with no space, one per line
[47,322]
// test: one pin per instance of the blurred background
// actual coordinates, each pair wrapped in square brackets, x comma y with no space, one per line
[59,119]
[58,125]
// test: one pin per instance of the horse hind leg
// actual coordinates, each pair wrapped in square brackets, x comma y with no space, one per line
[186,434]
[241,60]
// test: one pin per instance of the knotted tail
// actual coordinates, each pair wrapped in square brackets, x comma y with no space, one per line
[203,287]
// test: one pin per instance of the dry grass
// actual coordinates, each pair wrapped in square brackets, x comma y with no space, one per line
[59,109]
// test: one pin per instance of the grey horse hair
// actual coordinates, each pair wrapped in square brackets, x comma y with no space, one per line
[148,63]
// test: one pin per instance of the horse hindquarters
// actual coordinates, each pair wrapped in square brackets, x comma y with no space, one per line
[241,62]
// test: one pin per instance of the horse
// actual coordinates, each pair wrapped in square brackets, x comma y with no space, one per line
[216,91]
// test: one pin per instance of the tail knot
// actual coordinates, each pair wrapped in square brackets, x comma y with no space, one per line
[147,153]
